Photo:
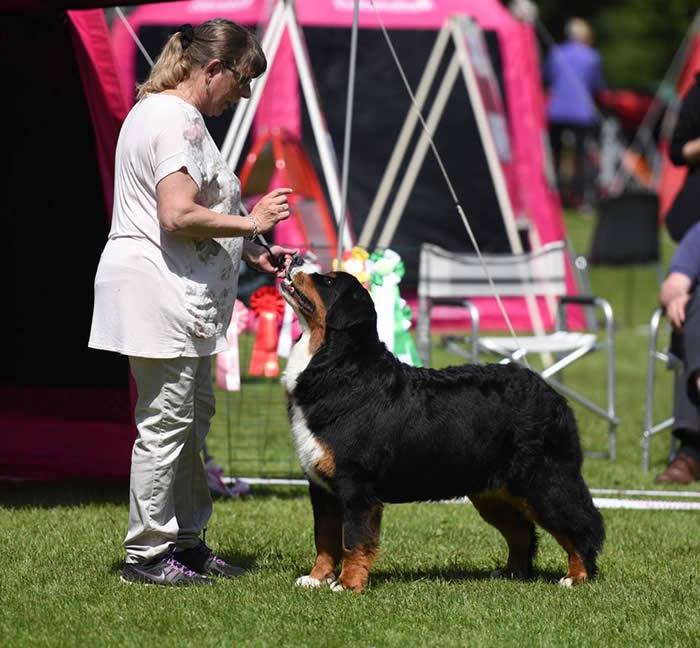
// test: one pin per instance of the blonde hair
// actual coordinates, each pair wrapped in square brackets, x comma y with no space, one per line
[579,30]
[235,46]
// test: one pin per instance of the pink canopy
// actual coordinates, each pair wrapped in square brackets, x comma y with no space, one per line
[280,104]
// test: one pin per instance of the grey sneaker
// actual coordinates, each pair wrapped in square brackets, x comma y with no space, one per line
[203,560]
[163,571]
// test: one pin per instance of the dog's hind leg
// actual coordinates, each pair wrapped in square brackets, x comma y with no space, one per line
[518,531]
[564,508]
[328,537]
[361,524]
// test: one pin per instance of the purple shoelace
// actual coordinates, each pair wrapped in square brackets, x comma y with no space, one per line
[175,564]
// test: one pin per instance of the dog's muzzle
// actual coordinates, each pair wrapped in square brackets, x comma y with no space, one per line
[288,288]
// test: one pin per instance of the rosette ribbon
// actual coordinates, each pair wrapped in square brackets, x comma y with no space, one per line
[228,370]
[356,263]
[268,305]
[393,314]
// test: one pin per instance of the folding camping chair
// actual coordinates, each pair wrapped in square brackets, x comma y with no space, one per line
[675,364]
[455,278]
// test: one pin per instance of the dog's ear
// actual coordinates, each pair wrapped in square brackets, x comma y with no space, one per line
[354,306]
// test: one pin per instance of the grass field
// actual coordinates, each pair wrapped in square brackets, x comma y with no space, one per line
[61,554]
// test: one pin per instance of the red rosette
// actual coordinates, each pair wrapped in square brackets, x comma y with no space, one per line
[268,305]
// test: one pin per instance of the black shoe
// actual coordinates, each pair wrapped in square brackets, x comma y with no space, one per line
[203,560]
[163,571]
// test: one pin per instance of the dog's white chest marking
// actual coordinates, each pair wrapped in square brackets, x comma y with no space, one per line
[309,450]
[299,359]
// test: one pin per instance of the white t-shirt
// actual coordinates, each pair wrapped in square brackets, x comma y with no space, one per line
[158,294]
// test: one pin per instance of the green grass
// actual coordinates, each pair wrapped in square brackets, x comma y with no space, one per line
[61,554]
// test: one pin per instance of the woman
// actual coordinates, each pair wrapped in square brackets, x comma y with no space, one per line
[166,284]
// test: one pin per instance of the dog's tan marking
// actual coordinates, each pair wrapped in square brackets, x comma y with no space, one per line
[577,572]
[514,527]
[316,320]
[325,465]
[329,544]
[357,561]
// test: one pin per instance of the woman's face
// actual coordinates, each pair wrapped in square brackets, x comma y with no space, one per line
[226,88]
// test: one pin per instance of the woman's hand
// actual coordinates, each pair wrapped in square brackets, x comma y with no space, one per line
[271,209]
[675,311]
[276,263]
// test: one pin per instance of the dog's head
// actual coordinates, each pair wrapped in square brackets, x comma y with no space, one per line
[335,301]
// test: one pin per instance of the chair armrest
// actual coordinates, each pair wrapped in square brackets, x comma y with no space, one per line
[589,300]
[583,300]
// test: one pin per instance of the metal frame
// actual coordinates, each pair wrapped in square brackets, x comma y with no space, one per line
[671,362]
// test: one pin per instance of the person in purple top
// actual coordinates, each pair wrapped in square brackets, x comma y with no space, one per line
[681,299]
[573,76]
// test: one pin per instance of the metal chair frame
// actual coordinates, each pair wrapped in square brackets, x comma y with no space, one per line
[671,362]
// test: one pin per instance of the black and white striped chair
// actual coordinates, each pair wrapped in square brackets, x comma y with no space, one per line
[456,278]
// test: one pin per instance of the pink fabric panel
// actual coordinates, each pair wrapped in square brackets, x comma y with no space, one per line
[280,104]
[406,14]
[36,448]
[102,89]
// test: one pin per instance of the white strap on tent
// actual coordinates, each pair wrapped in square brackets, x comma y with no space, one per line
[348,130]
[139,44]
[445,175]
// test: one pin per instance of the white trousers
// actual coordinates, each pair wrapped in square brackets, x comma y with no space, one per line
[169,499]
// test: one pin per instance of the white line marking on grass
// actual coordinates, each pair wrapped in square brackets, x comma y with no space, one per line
[647,505]
[600,502]
[645,493]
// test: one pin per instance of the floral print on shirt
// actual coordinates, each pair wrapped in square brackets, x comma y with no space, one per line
[211,269]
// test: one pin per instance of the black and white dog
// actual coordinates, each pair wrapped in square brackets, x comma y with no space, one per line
[369,430]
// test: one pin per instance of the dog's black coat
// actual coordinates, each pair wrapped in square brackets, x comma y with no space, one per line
[399,433]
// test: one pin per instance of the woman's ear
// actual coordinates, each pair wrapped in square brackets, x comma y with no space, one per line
[212,67]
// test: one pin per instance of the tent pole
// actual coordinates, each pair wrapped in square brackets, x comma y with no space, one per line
[321,134]
[461,27]
[408,181]
[236,135]
[407,130]
[348,131]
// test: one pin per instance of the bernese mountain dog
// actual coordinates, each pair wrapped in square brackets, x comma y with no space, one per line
[369,429]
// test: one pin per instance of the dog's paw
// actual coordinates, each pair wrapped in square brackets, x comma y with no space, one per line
[567,581]
[337,586]
[307,581]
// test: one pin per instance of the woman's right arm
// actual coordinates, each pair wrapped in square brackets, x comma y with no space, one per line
[179,213]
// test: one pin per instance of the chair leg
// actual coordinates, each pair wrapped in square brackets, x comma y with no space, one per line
[649,399]
[612,433]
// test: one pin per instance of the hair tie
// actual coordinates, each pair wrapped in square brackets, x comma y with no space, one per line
[186,35]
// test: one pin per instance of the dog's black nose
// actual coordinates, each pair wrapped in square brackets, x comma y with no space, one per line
[297,260]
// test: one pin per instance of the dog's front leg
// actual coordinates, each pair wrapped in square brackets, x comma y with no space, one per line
[362,519]
[328,536]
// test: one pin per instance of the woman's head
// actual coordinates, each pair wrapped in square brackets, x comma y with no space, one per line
[579,30]
[192,49]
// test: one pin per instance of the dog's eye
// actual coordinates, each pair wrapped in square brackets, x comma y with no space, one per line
[328,281]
